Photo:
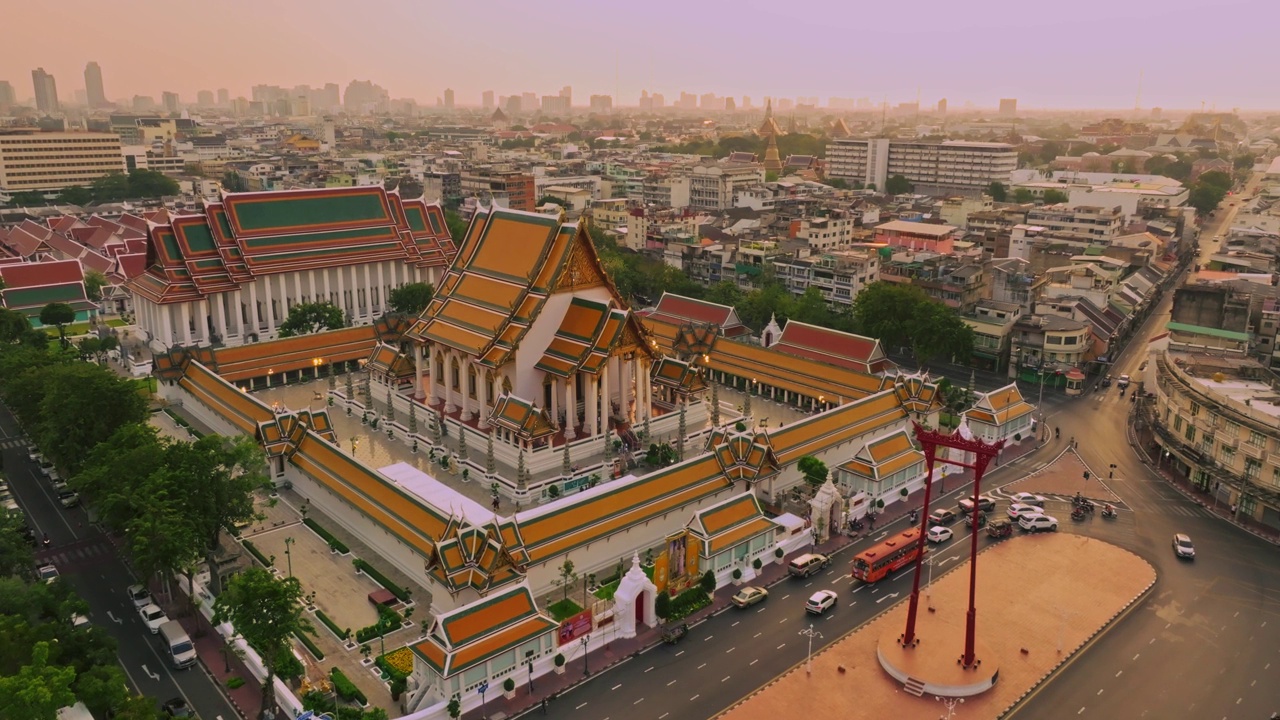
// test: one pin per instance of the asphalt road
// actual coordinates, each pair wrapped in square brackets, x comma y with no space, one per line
[87,561]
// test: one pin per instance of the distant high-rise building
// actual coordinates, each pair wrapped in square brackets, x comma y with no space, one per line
[364,97]
[93,85]
[566,91]
[688,101]
[82,97]
[7,96]
[204,98]
[646,102]
[328,98]
[709,101]
[659,101]
[32,160]
[170,101]
[601,103]
[46,90]
[555,104]
[448,99]
[144,102]
[1008,107]
[513,105]
[224,97]
[529,102]
[785,104]
[486,99]
[746,102]
[1155,111]
[729,105]
[942,106]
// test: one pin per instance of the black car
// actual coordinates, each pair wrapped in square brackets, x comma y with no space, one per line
[177,708]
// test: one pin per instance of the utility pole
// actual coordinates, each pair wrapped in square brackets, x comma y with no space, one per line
[811,634]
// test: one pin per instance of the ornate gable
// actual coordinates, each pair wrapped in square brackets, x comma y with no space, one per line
[743,455]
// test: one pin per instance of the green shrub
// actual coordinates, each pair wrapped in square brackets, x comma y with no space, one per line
[662,606]
[708,582]
[329,623]
[346,689]
[381,579]
[688,602]
[334,543]
[388,621]
[289,667]
[234,682]
[311,646]
[508,685]
[253,550]
[563,609]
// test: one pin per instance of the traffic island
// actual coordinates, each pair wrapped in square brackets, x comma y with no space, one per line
[1041,598]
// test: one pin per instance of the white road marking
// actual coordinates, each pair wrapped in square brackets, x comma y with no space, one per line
[615,687]
[638,701]
[695,697]
[1119,673]
[707,638]
[679,653]
[650,668]
[153,676]
[784,597]
[735,624]
[673,682]
[726,677]
[735,647]
[753,662]
[756,635]
[580,706]
[702,666]
[781,646]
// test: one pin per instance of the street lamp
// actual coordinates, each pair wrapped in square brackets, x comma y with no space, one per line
[950,704]
[811,634]
[287,543]
[528,656]
[586,671]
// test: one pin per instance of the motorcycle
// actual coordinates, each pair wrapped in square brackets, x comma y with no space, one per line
[46,540]
[1109,513]
[855,525]
[1077,514]
[912,517]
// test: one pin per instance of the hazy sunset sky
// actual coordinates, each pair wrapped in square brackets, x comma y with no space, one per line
[1086,53]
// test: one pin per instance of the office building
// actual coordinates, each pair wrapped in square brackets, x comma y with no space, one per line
[7,95]
[601,103]
[942,106]
[529,102]
[46,91]
[1008,107]
[94,93]
[224,97]
[204,98]
[1082,222]
[713,186]
[555,104]
[170,101]
[31,160]
[486,100]
[933,168]
[448,99]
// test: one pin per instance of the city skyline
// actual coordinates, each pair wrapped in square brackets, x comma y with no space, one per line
[845,54]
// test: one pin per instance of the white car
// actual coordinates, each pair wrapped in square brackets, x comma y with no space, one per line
[140,596]
[1026,498]
[1017,510]
[820,602]
[938,534]
[1182,546]
[1123,382]
[153,617]
[1038,522]
[47,573]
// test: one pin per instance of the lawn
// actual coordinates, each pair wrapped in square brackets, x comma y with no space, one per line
[563,610]
[116,322]
[71,330]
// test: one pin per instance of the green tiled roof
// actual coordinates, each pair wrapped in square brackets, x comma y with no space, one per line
[310,211]
[29,301]
[1207,331]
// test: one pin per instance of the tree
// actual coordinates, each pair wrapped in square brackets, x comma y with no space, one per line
[568,577]
[998,191]
[12,325]
[1205,198]
[102,689]
[662,606]
[412,298]
[838,183]
[770,176]
[59,315]
[75,195]
[813,469]
[110,187]
[549,199]
[232,182]
[15,553]
[897,185]
[82,406]
[1053,197]
[1023,195]
[151,184]
[266,612]
[1215,178]
[936,330]
[136,707]
[454,708]
[1244,162]
[883,310]
[38,690]
[307,318]
[94,281]
[708,582]
[28,198]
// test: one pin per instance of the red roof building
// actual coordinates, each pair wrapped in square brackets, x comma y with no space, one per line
[679,310]
[846,350]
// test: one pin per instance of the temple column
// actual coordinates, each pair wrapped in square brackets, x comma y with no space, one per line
[450,404]
[570,408]
[368,297]
[644,391]
[417,371]
[382,290]
[297,287]
[432,377]
[626,378]
[605,408]
[237,298]
[220,316]
[555,399]
[269,310]
[254,320]
[186,323]
[328,292]
[342,295]
[482,392]
[592,401]
[311,282]
[166,319]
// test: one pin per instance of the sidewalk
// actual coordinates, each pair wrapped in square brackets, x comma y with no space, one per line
[248,697]
[602,659]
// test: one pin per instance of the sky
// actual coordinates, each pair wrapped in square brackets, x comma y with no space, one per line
[1082,54]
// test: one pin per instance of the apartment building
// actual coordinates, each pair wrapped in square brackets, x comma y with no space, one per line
[1048,344]
[957,283]
[839,275]
[666,191]
[1215,421]
[32,160]
[952,166]
[1085,222]
[713,186]
[517,189]
[825,234]
[610,214]
[992,322]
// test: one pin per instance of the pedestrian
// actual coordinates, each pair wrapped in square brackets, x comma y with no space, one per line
[544,706]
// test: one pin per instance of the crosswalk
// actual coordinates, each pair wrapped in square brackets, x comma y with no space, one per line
[13,442]
[78,555]
[1170,508]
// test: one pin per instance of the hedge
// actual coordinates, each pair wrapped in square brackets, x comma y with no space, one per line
[388,621]
[689,602]
[334,543]
[346,689]
[342,634]
[311,646]
[253,549]
[381,579]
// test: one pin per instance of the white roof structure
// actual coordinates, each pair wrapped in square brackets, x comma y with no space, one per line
[436,493]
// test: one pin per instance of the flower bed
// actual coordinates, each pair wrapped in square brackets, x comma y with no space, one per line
[397,663]
[367,569]
[334,543]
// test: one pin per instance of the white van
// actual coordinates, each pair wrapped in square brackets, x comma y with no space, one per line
[182,653]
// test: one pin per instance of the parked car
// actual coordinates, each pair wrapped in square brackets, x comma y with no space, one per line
[1106,381]
[1017,510]
[1038,523]
[820,602]
[153,617]
[1182,546]
[33,454]
[749,596]
[46,467]
[999,529]
[69,498]
[986,503]
[1027,498]
[140,595]
[47,573]
[939,534]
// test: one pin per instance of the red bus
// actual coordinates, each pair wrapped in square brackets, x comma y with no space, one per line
[888,556]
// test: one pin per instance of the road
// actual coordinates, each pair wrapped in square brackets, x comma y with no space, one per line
[1206,643]
[88,561]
